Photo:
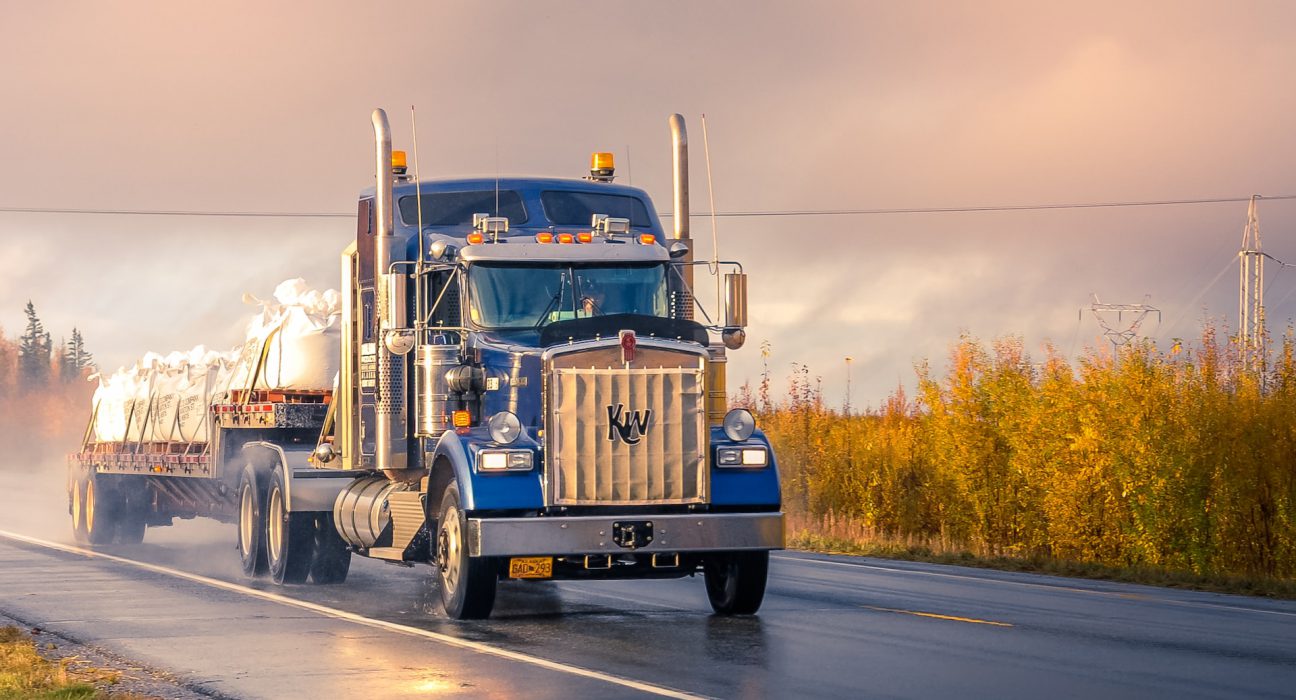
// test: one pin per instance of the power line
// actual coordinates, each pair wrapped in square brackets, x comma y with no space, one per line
[183,212]
[735,214]
[994,208]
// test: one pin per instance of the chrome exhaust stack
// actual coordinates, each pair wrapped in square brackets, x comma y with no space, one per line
[679,161]
[388,402]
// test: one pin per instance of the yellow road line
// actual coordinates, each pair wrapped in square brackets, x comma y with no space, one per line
[367,621]
[938,616]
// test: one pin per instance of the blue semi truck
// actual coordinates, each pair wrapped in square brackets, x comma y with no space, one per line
[525,392]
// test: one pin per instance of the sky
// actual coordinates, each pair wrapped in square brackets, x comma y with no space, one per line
[253,106]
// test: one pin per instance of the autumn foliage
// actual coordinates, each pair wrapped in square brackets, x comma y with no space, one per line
[41,421]
[1176,459]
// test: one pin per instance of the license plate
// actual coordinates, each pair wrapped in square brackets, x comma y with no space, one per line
[531,567]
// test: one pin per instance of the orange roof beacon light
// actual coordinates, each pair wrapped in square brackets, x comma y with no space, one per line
[476,238]
[601,167]
[584,237]
[544,237]
[398,163]
[566,238]
[647,238]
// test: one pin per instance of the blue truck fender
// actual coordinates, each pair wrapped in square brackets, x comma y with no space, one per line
[450,450]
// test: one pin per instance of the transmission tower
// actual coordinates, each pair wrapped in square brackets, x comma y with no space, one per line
[1251,325]
[1120,322]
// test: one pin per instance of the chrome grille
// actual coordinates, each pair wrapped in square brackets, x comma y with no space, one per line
[622,436]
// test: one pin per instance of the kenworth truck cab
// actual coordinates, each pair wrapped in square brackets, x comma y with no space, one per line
[525,392]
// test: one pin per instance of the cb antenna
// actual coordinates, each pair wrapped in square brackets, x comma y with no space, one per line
[714,266]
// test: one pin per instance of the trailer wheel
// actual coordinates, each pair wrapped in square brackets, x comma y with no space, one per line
[332,555]
[131,522]
[467,583]
[78,510]
[290,537]
[735,581]
[100,506]
[251,528]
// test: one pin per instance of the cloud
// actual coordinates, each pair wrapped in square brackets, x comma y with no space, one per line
[254,106]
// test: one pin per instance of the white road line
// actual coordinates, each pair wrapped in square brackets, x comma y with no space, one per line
[479,647]
[1045,586]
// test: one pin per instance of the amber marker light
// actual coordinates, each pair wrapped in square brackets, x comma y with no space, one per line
[461,419]
[566,238]
[544,238]
[476,238]
[584,237]
[647,239]
[398,162]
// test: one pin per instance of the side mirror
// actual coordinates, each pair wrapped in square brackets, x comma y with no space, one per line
[678,249]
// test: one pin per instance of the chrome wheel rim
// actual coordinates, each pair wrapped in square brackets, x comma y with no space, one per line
[274,524]
[245,519]
[76,506]
[89,506]
[450,544]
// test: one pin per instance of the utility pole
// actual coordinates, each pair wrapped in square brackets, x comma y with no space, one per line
[1118,330]
[1251,324]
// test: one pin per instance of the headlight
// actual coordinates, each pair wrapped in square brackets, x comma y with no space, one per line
[742,456]
[504,460]
[739,424]
[505,427]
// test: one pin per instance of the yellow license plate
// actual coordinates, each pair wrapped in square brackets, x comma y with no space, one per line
[531,567]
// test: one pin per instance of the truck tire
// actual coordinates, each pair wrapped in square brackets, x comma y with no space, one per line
[77,507]
[251,523]
[100,507]
[290,537]
[131,522]
[332,555]
[735,581]
[467,583]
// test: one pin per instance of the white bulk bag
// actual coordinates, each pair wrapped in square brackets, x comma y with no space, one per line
[165,403]
[139,393]
[296,340]
[110,418]
[303,353]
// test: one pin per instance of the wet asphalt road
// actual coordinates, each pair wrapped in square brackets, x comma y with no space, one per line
[839,627]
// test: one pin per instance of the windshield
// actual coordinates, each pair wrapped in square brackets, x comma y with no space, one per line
[512,296]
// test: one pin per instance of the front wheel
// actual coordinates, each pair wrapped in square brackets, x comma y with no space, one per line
[467,583]
[735,581]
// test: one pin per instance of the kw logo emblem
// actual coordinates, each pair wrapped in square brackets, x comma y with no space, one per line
[624,424]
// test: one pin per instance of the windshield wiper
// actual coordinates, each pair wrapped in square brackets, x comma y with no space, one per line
[553,303]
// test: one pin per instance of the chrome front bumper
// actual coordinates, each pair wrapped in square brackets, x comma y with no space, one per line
[512,537]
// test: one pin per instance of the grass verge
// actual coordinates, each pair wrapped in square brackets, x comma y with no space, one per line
[26,675]
[831,535]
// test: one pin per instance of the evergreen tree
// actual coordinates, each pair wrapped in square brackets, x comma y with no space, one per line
[74,358]
[33,352]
